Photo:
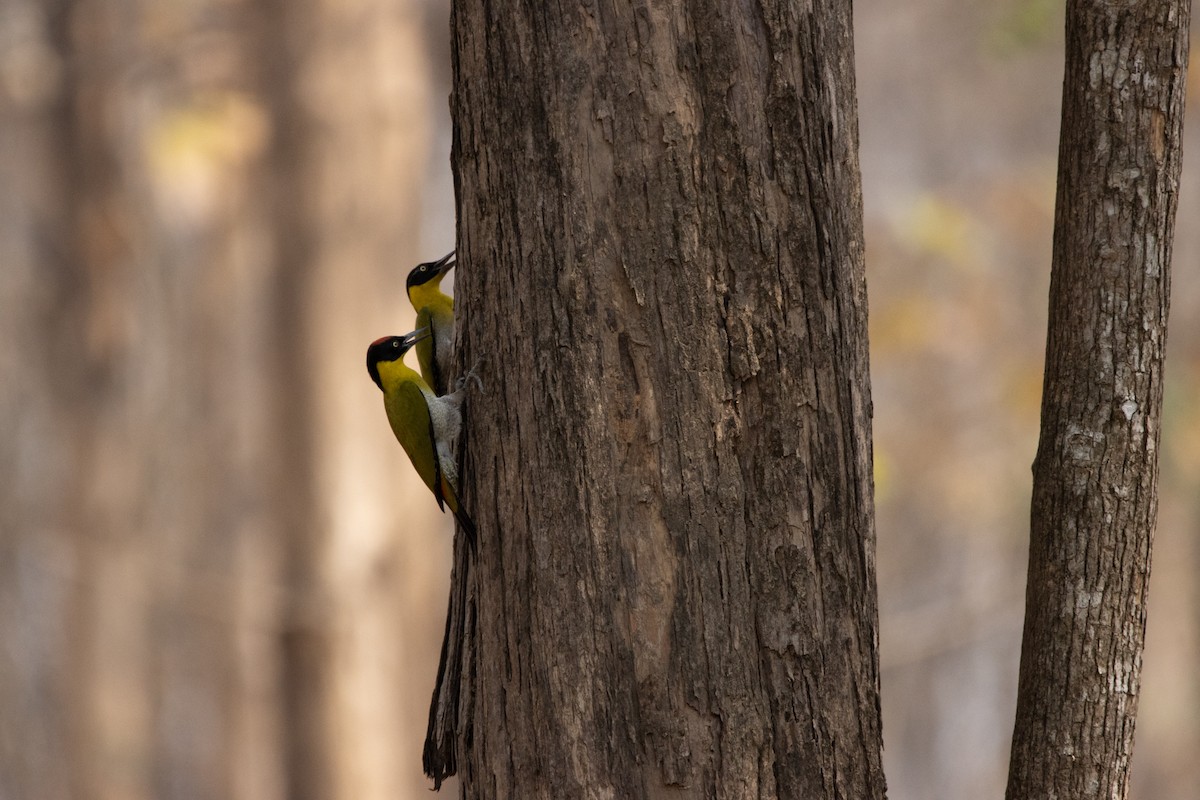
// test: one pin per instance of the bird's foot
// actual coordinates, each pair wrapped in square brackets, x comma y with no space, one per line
[471,377]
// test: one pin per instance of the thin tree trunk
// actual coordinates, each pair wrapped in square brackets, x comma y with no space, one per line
[43,300]
[670,464]
[349,169]
[1095,476]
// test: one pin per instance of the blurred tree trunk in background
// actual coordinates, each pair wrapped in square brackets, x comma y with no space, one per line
[661,249]
[1095,476]
[354,139]
[144,323]
[201,570]
[43,291]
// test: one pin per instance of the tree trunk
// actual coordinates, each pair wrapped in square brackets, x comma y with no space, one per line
[350,165]
[142,556]
[670,464]
[1095,476]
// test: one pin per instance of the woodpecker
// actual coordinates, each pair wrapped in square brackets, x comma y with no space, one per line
[435,312]
[426,425]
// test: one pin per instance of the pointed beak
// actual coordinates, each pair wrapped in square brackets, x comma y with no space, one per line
[412,338]
[445,263]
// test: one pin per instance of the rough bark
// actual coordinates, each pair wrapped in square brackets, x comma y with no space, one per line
[1095,475]
[661,262]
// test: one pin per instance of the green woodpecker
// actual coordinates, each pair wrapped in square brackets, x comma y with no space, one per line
[435,312]
[426,425]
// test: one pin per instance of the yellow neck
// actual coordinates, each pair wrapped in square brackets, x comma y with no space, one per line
[428,294]
[394,373]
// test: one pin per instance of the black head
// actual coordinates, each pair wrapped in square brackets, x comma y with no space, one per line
[424,273]
[390,348]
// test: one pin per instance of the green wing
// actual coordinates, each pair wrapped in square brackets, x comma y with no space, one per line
[438,317]
[427,350]
[409,414]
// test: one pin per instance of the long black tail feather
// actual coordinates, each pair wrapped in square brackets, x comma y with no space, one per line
[468,526]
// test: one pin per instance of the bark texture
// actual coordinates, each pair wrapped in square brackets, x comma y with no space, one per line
[661,261]
[1095,476]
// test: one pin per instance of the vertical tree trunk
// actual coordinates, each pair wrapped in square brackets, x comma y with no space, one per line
[661,248]
[1095,476]
[38,421]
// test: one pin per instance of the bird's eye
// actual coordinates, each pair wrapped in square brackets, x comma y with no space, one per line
[395,344]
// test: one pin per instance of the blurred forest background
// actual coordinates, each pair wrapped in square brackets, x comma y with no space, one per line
[218,575]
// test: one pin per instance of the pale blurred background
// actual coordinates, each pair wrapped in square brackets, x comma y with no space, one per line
[217,576]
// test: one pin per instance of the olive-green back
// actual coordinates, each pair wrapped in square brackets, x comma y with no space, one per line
[438,317]
[408,413]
